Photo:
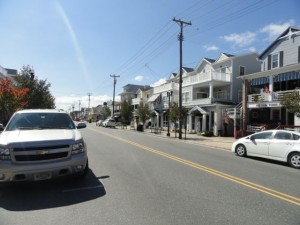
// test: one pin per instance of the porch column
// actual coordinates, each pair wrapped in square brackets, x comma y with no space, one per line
[161,120]
[190,123]
[211,91]
[204,123]
[271,87]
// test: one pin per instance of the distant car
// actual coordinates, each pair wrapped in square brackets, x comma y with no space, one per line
[109,123]
[280,145]
[41,145]
[99,123]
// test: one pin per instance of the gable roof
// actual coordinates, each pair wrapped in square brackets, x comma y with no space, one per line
[187,69]
[207,60]
[224,54]
[287,33]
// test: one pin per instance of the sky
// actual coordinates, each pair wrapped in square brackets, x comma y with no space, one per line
[77,46]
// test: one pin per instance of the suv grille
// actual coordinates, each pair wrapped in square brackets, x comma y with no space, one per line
[41,157]
[35,154]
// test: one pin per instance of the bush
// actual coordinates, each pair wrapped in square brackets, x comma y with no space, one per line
[207,133]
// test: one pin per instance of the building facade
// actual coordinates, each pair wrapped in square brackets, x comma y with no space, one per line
[279,75]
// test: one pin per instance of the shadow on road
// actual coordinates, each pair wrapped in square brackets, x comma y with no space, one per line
[50,194]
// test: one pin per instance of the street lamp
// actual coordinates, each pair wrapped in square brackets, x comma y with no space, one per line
[169,94]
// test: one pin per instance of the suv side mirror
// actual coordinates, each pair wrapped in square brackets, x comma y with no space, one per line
[252,138]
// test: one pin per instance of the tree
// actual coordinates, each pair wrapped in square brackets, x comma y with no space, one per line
[11,99]
[126,113]
[292,102]
[39,95]
[174,114]
[105,112]
[143,112]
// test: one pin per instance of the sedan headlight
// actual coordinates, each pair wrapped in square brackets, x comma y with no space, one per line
[4,153]
[78,148]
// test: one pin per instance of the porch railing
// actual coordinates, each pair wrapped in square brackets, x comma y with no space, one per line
[265,97]
[204,77]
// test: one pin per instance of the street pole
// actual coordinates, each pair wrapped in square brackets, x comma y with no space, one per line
[115,81]
[180,38]
[89,94]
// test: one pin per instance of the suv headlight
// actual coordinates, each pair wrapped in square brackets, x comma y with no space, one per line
[4,153]
[78,147]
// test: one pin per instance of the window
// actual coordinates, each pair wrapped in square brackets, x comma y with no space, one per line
[281,135]
[242,70]
[185,97]
[201,95]
[275,61]
[264,135]
[296,137]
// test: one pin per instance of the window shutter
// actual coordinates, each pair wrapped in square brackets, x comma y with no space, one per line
[281,59]
[269,62]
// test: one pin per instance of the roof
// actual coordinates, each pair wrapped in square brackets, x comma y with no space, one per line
[209,60]
[288,32]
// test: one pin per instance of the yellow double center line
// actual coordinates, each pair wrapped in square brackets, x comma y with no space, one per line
[260,188]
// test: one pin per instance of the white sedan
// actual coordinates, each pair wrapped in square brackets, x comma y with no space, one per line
[280,145]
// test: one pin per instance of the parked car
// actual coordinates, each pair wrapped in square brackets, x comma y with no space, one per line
[109,122]
[280,145]
[99,123]
[40,145]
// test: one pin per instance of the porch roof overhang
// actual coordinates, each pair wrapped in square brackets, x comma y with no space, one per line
[200,109]
[153,97]
[273,72]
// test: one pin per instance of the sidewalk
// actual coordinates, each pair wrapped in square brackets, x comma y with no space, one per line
[216,142]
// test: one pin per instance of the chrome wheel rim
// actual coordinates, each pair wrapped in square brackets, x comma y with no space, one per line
[295,160]
[240,150]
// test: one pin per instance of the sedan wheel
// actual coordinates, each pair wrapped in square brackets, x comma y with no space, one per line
[241,150]
[294,160]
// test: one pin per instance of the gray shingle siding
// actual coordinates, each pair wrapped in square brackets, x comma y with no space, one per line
[290,50]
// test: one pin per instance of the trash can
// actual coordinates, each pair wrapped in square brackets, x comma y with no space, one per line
[140,128]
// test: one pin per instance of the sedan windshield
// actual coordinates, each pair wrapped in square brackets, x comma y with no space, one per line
[33,121]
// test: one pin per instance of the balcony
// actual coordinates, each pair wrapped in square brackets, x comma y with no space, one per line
[218,97]
[207,77]
[272,97]
[166,87]
[136,101]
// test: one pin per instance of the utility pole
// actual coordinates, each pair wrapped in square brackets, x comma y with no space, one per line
[89,94]
[115,81]
[79,103]
[180,38]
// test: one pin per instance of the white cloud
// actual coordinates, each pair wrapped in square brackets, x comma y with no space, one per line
[67,102]
[210,48]
[240,40]
[138,78]
[159,82]
[274,30]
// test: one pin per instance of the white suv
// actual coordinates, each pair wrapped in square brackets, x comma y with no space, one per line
[109,122]
[40,145]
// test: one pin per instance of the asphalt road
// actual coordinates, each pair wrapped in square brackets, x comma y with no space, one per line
[142,179]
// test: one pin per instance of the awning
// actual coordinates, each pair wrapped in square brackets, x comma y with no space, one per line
[153,97]
[287,76]
[293,75]
[200,109]
[259,81]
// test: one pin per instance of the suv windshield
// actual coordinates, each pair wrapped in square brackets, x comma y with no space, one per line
[31,121]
